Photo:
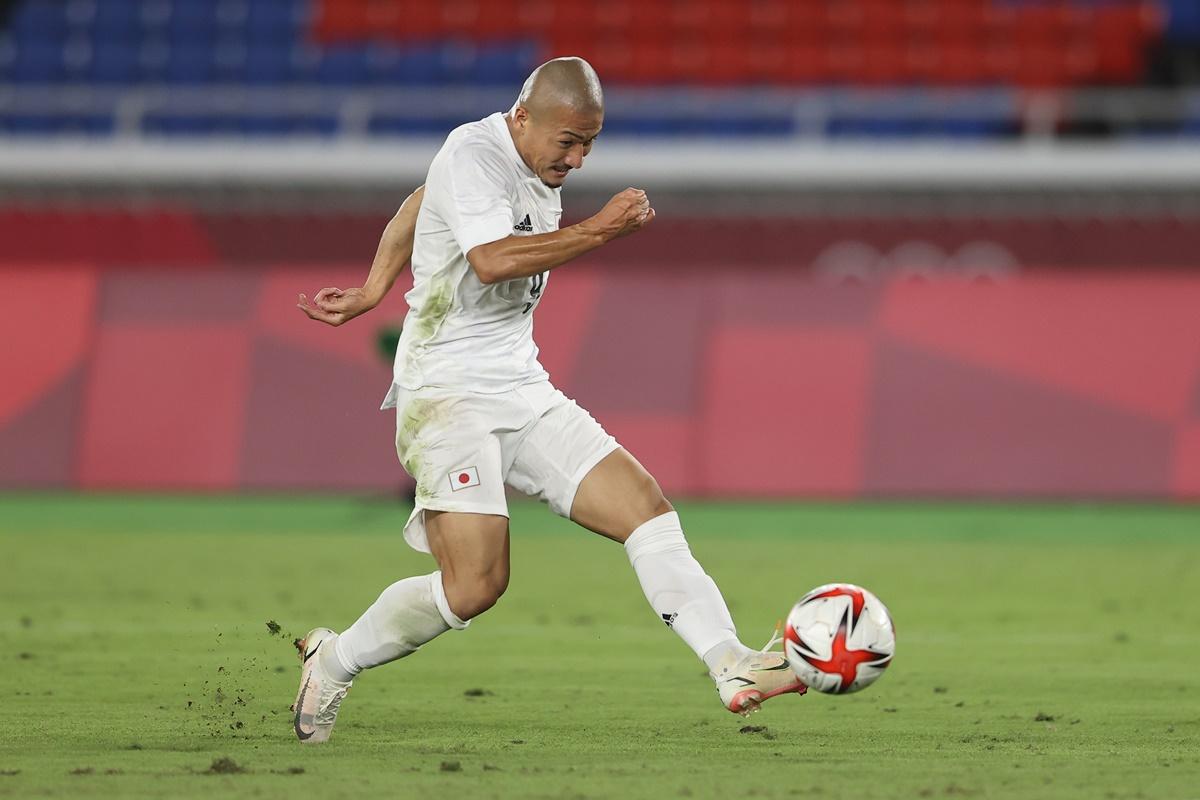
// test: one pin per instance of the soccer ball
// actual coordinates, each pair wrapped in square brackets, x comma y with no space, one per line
[839,638]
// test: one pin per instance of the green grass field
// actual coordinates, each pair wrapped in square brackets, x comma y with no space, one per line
[1043,651]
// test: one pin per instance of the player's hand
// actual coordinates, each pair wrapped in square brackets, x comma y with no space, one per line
[625,213]
[335,306]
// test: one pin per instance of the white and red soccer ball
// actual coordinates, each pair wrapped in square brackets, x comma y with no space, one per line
[839,638]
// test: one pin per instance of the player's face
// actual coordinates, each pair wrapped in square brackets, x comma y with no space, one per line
[559,143]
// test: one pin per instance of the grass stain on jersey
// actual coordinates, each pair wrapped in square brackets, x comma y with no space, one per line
[435,308]
[414,418]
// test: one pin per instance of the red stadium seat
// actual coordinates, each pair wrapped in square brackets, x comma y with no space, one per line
[613,17]
[612,58]
[806,63]
[923,60]
[1042,22]
[338,22]
[961,22]
[961,64]
[1080,61]
[650,21]
[726,63]
[767,62]
[923,17]
[1041,66]
[880,22]
[649,61]
[729,20]
[880,64]
[482,19]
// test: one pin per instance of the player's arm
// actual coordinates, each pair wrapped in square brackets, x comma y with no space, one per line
[523,256]
[336,306]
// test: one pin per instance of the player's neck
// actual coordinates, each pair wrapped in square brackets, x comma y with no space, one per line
[512,133]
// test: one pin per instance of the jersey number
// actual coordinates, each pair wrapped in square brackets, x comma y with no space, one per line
[535,290]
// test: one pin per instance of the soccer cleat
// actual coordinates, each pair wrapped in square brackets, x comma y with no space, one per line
[320,695]
[756,678]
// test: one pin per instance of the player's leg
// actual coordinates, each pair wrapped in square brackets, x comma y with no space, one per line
[619,499]
[568,460]
[472,553]
[456,462]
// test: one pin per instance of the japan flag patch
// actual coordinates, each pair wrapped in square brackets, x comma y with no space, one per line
[464,478]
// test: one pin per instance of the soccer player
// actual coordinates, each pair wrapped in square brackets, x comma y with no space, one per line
[475,410]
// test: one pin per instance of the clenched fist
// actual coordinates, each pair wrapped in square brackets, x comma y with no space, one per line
[625,213]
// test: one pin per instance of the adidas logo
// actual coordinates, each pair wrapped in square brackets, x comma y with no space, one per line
[670,619]
[524,226]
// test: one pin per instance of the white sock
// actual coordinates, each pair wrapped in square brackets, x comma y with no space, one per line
[680,592]
[724,656]
[407,614]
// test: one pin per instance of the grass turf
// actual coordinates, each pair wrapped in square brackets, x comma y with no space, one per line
[1043,651]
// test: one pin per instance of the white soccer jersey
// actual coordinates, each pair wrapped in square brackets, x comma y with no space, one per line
[459,332]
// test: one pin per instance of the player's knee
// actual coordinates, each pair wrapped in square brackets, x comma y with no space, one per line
[651,502]
[471,595]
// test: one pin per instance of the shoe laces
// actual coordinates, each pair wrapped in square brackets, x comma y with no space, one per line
[777,636]
[332,695]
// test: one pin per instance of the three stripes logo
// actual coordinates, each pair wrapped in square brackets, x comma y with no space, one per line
[524,226]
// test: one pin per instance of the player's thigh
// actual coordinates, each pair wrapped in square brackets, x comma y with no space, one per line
[472,552]
[617,496]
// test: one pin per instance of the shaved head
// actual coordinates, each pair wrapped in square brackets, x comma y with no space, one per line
[562,83]
[557,117]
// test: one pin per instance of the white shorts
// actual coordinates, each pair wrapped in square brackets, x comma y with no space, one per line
[463,447]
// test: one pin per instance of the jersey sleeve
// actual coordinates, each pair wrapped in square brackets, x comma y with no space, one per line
[481,196]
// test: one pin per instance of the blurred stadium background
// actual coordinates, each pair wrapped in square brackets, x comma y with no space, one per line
[928,248]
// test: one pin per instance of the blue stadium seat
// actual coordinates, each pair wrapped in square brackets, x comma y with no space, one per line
[413,125]
[229,61]
[1183,21]
[181,124]
[117,20]
[872,127]
[268,62]
[39,21]
[190,64]
[342,65]
[114,62]
[192,21]
[41,124]
[274,20]
[38,62]
[503,64]
[455,62]
[414,66]
[741,126]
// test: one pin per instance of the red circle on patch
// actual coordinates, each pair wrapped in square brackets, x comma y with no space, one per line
[464,478]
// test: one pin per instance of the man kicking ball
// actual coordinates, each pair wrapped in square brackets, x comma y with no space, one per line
[475,410]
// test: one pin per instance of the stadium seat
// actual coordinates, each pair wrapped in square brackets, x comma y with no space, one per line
[77,124]
[190,63]
[268,61]
[503,64]
[192,22]
[414,65]
[116,21]
[274,22]
[37,61]
[342,65]
[42,21]
[114,61]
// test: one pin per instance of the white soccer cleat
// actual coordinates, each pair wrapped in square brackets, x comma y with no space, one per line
[320,695]
[756,678]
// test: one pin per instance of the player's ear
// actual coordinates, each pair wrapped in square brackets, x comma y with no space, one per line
[520,116]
